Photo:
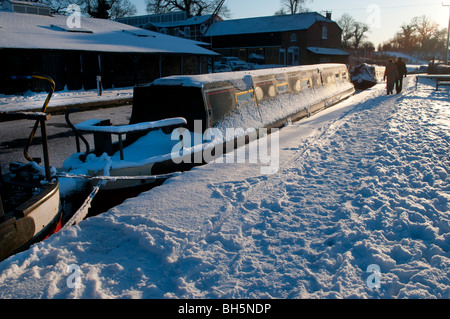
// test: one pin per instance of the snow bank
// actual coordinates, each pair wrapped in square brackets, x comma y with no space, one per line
[31,100]
[410,58]
[362,184]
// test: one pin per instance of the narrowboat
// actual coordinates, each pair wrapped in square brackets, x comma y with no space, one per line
[366,76]
[179,122]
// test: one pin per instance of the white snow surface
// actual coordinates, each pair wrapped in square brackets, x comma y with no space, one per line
[243,80]
[365,182]
[274,23]
[92,126]
[30,31]
[32,100]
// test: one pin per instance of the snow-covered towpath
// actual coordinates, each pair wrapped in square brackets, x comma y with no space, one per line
[362,184]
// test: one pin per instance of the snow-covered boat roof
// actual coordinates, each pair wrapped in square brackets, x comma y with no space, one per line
[201,79]
[300,21]
[28,31]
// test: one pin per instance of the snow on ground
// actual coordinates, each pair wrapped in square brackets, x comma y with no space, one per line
[364,184]
[31,100]
[409,58]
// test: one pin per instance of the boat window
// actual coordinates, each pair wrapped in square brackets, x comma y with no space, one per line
[297,86]
[338,76]
[244,97]
[282,88]
[259,93]
[306,83]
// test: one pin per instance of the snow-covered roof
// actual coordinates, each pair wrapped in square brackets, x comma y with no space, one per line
[188,22]
[327,51]
[199,80]
[25,31]
[27,3]
[282,23]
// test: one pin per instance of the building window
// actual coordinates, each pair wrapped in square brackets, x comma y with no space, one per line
[282,57]
[20,9]
[324,32]
[293,56]
[293,37]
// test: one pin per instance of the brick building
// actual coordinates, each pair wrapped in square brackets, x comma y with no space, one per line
[304,38]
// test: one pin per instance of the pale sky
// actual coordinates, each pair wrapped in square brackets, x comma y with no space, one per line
[384,16]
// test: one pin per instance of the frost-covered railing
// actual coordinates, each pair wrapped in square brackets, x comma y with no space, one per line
[441,79]
[95,126]
[40,118]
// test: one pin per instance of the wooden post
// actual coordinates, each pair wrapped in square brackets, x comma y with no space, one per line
[2,212]
[121,147]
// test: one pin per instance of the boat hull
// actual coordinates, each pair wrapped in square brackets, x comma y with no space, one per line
[31,222]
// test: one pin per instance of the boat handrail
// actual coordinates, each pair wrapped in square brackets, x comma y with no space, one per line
[40,118]
[43,110]
[94,126]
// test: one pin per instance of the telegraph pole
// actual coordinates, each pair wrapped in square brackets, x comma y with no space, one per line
[448,35]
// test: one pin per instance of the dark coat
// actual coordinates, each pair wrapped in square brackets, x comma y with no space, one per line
[391,74]
[401,68]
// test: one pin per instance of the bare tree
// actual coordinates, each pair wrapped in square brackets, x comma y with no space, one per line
[421,37]
[406,38]
[353,32]
[191,7]
[59,7]
[346,23]
[359,33]
[425,28]
[121,8]
[100,9]
[111,9]
[292,6]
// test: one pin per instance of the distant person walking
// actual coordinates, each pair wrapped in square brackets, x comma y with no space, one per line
[391,74]
[402,72]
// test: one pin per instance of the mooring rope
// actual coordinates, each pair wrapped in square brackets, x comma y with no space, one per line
[84,209]
[117,178]
[82,212]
